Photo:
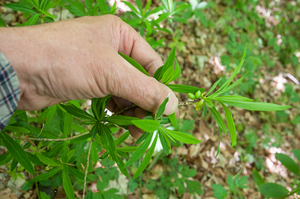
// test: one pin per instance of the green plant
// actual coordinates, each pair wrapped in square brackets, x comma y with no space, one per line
[274,190]
[235,183]
[175,179]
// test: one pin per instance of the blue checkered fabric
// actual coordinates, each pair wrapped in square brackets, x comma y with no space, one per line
[9,91]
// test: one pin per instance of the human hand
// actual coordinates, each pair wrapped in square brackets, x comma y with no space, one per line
[78,59]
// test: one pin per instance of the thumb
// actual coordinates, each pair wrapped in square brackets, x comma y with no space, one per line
[144,91]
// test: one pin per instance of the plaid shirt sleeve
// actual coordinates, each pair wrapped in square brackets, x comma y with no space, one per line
[9,91]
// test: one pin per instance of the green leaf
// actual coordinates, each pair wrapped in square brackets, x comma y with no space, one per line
[232,98]
[17,129]
[146,160]
[32,20]
[214,86]
[147,6]
[108,140]
[21,8]
[224,86]
[131,7]
[182,137]
[43,195]
[219,92]
[44,4]
[219,191]
[217,117]
[230,125]
[127,149]
[94,131]
[122,138]
[89,6]
[27,185]
[176,72]
[164,141]
[173,119]
[193,186]
[288,162]
[142,138]
[147,125]
[167,75]
[140,150]
[257,178]
[46,175]
[120,120]
[68,121]
[256,106]
[296,153]
[208,102]
[94,153]
[13,164]
[184,88]
[121,166]
[5,158]
[67,183]
[89,195]
[157,73]
[76,8]
[134,63]
[47,161]
[17,152]
[76,173]
[162,108]
[273,190]
[2,23]
[77,112]
[168,64]
[47,14]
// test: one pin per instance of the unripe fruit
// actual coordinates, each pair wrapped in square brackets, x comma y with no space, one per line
[198,94]
[191,96]
[199,105]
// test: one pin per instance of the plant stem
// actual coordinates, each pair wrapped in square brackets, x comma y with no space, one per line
[133,106]
[86,169]
[49,139]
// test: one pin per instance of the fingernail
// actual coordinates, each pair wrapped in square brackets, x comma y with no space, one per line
[172,104]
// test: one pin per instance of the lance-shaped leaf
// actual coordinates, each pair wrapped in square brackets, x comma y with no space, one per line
[134,63]
[67,183]
[173,119]
[168,64]
[220,92]
[176,73]
[108,140]
[164,141]
[142,138]
[5,158]
[121,166]
[120,120]
[146,160]
[99,105]
[232,98]
[140,150]
[214,86]
[77,112]
[17,152]
[209,102]
[21,8]
[162,108]
[68,120]
[296,153]
[76,173]
[184,88]
[220,133]
[47,161]
[230,125]
[122,138]
[46,175]
[167,75]
[256,106]
[224,86]
[147,125]
[217,117]
[17,129]
[182,137]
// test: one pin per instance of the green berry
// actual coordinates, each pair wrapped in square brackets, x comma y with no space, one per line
[191,96]
[198,94]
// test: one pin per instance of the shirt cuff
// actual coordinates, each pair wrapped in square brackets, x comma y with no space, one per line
[9,91]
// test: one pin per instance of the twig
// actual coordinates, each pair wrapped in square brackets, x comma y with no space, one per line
[50,140]
[86,169]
